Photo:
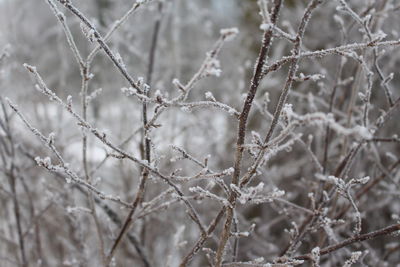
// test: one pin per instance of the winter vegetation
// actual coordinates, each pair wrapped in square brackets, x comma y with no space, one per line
[199,133]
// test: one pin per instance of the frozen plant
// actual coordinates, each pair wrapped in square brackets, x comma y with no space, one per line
[199,133]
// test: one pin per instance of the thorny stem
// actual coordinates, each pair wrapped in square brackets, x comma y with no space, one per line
[255,81]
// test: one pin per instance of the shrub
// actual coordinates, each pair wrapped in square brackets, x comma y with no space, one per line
[150,140]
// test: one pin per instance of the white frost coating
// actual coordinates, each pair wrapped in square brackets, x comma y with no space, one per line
[129,91]
[60,15]
[265,26]
[355,256]
[232,111]
[89,33]
[362,180]
[176,82]
[363,132]
[94,95]
[52,135]
[319,117]
[256,137]
[29,67]
[229,34]
[185,109]
[47,161]
[119,60]
[315,255]
[210,96]
[205,193]
[277,193]
[312,77]
[249,193]
[213,67]
[229,171]
[78,209]
[157,94]
[288,110]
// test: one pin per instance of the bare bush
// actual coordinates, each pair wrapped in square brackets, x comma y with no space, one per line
[139,133]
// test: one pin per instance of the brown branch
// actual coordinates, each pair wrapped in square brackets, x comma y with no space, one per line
[200,243]
[255,81]
[359,238]
[145,173]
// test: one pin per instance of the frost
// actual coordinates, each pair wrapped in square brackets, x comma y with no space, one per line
[363,132]
[60,15]
[388,79]
[229,171]
[315,256]
[186,109]
[119,60]
[316,77]
[88,32]
[212,68]
[205,193]
[286,106]
[78,209]
[129,91]
[229,34]
[69,101]
[266,26]
[94,95]
[51,138]
[355,256]
[232,111]
[210,96]
[158,94]
[249,193]
[256,138]
[175,81]
[29,67]
[288,110]
[90,76]
[44,162]
[277,193]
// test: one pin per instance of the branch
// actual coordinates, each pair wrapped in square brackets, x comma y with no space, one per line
[359,238]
